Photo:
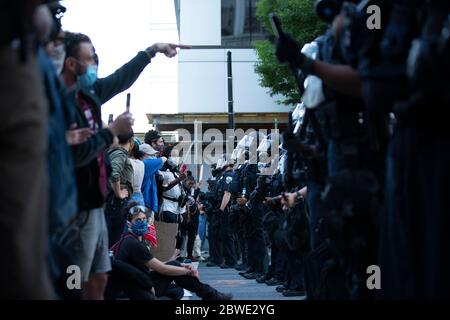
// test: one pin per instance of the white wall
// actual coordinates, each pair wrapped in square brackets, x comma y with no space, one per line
[201,75]
[203,72]
[203,85]
[200,22]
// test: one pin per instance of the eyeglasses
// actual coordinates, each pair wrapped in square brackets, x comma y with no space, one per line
[93,58]
[136,209]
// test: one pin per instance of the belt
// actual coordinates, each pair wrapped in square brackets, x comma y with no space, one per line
[171,199]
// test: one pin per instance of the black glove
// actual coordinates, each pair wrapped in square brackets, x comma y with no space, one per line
[288,50]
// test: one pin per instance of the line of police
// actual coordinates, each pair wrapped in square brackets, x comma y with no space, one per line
[372,151]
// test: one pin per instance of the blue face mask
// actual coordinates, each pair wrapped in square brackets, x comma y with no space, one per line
[88,79]
[139,228]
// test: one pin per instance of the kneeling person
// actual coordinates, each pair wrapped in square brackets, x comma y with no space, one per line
[134,251]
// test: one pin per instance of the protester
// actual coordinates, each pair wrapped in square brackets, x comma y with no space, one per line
[88,93]
[136,157]
[152,165]
[120,186]
[189,227]
[134,252]
[154,139]
[23,162]
[172,205]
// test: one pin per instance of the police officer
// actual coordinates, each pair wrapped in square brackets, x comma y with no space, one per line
[227,236]
[244,182]
[213,218]
[413,239]
[350,156]
[268,169]
[296,244]
[253,212]
[236,214]
[273,223]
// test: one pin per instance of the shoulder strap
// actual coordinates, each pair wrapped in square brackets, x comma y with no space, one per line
[116,247]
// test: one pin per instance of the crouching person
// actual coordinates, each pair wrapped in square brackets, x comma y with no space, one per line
[133,251]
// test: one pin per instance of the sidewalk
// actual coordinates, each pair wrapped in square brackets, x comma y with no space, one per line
[228,280]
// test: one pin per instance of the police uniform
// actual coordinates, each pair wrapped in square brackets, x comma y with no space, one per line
[214,241]
[253,230]
[273,219]
[350,157]
[236,216]
[413,238]
[227,237]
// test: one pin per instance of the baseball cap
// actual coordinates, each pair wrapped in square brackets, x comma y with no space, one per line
[145,148]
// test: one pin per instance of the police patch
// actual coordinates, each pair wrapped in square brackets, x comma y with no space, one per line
[228,180]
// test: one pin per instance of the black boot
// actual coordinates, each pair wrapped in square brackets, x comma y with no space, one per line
[281,288]
[241,267]
[212,264]
[249,270]
[263,278]
[294,293]
[216,295]
[274,282]
[252,275]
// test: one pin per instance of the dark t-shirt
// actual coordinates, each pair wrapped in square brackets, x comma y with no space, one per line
[134,252]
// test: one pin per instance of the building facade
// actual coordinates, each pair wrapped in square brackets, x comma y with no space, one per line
[213,28]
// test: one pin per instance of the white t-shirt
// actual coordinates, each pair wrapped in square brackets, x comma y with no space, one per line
[175,193]
[138,176]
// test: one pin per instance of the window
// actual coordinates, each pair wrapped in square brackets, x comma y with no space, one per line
[239,24]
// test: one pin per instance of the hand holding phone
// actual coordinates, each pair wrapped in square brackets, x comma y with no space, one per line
[287,49]
[128,102]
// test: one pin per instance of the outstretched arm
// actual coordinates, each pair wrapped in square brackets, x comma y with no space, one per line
[125,76]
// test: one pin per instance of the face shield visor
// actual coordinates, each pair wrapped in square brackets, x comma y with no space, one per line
[219,164]
[245,142]
[299,117]
[282,163]
[234,155]
[264,146]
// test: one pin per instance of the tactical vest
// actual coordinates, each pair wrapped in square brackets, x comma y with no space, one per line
[343,117]
[247,178]
[221,186]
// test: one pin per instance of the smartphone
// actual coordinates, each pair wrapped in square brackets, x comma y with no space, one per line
[128,102]
[276,25]
[111,118]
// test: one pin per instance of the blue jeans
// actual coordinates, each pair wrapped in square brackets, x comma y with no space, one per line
[202,230]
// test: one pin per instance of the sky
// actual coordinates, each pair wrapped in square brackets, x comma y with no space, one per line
[119,29]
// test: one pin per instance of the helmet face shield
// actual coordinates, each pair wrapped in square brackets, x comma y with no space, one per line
[245,142]
[219,164]
[234,155]
[264,146]
[298,114]
[282,162]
